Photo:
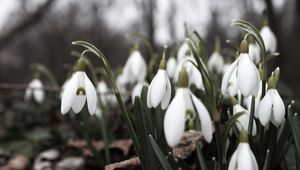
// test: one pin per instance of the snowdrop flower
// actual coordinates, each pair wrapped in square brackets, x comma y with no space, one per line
[245,72]
[78,90]
[195,77]
[216,62]
[63,87]
[159,91]
[171,67]
[35,90]
[243,120]
[137,90]
[185,102]
[183,49]
[271,107]
[243,158]
[269,38]
[135,68]
[247,101]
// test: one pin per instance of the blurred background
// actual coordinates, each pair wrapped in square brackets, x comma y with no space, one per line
[42,30]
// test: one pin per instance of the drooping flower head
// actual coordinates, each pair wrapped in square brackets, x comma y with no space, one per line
[184,104]
[245,72]
[159,91]
[216,61]
[243,158]
[79,90]
[268,36]
[271,107]
[135,69]
[171,67]
[35,90]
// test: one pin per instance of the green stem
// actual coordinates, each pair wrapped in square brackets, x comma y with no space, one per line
[251,115]
[218,138]
[107,68]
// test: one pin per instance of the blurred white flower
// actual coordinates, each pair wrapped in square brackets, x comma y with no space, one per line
[269,39]
[195,76]
[246,74]
[159,91]
[243,120]
[171,67]
[271,108]
[35,90]
[181,54]
[103,91]
[137,90]
[254,52]
[216,62]
[135,69]
[243,158]
[175,117]
[78,90]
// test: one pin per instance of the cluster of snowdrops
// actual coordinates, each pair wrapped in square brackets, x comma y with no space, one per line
[188,93]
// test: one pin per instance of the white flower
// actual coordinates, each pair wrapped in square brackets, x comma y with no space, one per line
[216,62]
[103,91]
[35,90]
[63,87]
[246,75]
[269,38]
[247,101]
[78,90]
[159,91]
[243,120]
[271,108]
[254,52]
[175,117]
[171,67]
[137,90]
[135,68]
[195,76]
[243,158]
[183,49]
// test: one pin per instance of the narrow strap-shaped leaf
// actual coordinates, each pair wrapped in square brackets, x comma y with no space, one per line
[201,160]
[160,156]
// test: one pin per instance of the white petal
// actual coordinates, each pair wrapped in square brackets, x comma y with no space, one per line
[278,108]
[248,76]
[149,104]
[99,112]
[244,158]
[136,91]
[182,51]
[158,87]
[28,93]
[195,78]
[38,91]
[233,88]
[138,66]
[269,39]
[216,62]
[171,67]
[174,121]
[69,94]
[91,95]
[244,119]
[265,109]
[78,103]
[233,161]
[206,122]
[166,99]
[228,73]
[254,52]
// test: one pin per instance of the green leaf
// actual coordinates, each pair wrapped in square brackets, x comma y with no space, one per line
[163,161]
[201,160]
[227,128]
